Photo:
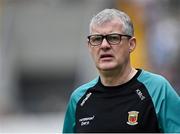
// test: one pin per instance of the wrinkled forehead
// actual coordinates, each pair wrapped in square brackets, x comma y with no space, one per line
[106,27]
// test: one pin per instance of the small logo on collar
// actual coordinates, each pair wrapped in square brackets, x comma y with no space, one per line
[132,118]
[140,94]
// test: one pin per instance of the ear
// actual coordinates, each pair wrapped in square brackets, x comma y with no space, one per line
[132,44]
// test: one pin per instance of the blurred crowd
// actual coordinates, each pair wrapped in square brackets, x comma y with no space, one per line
[163,39]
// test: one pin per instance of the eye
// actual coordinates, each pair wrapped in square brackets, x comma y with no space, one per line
[114,38]
[95,39]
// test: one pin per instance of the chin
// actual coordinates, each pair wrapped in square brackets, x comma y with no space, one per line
[106,67]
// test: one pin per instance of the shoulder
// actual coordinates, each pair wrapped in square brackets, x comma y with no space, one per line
[155,84]
[158,86]
[69,120]
[165,99]
[80,91]
[147,77]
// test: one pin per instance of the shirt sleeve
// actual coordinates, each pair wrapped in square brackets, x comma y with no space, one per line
[69,120]
[169,110]
[166,101]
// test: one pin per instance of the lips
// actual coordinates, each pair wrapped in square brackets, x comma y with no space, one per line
[102,56]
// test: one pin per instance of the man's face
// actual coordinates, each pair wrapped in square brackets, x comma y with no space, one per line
[106,56]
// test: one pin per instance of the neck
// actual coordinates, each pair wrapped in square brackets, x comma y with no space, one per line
[118,77]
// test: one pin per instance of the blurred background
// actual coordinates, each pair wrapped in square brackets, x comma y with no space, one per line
[44,56]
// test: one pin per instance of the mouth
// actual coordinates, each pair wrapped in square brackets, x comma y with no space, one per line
[106,56]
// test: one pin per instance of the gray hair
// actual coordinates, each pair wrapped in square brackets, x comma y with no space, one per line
[108,15]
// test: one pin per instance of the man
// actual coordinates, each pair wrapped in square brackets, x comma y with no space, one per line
[122,98]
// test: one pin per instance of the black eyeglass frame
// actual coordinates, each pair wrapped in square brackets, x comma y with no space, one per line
[106,37]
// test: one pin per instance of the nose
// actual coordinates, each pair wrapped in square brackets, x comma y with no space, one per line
[105,44]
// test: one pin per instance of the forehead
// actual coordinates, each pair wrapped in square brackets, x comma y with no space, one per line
[113,26]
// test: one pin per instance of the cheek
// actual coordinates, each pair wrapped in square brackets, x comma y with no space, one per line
[94,54]
[122,54]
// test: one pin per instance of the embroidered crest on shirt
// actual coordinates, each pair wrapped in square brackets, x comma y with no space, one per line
[132,118]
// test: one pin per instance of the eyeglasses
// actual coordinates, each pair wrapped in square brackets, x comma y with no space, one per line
[112,39]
